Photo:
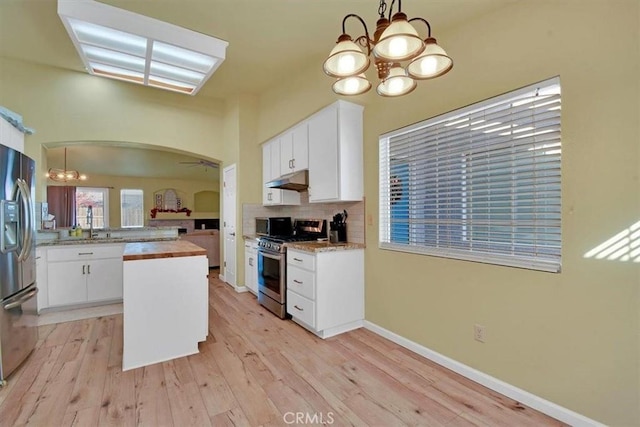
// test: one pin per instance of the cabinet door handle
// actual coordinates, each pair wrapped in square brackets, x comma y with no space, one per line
[83,269]
[293,163]
[298,308]
[297,281]
[88,269]
[297,259]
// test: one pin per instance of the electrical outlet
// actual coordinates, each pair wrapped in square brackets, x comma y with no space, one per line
[369,219]
[479,333]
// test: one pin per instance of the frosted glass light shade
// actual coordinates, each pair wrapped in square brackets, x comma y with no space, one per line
[123,45]
[397,84]
[432,62]
[345,59]
[354,85]
[399,42]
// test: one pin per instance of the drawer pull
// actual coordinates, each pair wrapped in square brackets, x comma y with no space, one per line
[297,259]
[85,253]
[297,281]
[298,308]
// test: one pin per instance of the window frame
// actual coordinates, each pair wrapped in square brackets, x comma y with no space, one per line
[122,210]
[401,229]
[105,213]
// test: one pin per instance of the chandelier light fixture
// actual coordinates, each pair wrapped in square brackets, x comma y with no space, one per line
[394,42]
[65,175]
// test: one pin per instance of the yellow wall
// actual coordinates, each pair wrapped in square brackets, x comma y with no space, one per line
[240,128]
[573,337]
[185,189]
[66,106]
[207,201]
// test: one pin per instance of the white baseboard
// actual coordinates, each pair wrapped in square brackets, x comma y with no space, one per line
[546,407]
[238,289]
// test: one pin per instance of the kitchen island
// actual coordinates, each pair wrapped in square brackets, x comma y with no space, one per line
[165,301]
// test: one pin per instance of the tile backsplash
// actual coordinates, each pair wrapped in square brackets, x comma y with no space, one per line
[355,211]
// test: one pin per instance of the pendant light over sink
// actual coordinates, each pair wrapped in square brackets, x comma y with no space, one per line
[65,175]
[395,41]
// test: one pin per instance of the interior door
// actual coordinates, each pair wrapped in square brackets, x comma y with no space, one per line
[229,223]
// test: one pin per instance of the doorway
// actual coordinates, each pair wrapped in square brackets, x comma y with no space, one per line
[229,223]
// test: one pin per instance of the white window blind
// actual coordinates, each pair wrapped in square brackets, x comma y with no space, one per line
[481,183]
[131,208]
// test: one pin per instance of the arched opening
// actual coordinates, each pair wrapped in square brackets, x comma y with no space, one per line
[119,166]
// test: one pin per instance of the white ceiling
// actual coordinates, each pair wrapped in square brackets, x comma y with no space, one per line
[267,39]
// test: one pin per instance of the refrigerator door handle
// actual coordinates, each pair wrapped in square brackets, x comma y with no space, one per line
[28,227]
[18,300]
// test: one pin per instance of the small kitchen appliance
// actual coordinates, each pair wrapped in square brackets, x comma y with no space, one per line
[274,226]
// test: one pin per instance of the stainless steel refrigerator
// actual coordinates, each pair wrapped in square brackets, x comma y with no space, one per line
[18,326]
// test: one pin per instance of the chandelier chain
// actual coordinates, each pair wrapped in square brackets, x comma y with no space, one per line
[382,9]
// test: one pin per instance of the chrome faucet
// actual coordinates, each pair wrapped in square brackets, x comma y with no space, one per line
[90,221]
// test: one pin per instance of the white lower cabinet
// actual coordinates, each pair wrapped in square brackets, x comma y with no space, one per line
[83,274]
[251,265]
[325,290]
[68,283]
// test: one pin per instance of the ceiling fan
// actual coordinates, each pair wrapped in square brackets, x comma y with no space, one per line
[201,162]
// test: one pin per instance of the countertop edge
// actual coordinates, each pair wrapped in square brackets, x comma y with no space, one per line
[315,247]
[138,251]
[102,241]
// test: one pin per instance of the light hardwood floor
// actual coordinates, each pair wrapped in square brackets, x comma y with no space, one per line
[254,369]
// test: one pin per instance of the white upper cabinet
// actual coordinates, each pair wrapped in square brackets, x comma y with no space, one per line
[294,149]
[335,153]
[329,145]
[271,171]
[10,136]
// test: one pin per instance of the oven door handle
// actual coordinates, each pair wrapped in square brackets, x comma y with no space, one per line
[276,257]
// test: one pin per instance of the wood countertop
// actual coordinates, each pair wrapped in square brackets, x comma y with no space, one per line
[167,249]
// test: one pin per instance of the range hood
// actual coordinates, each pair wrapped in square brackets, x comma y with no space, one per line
[297,181]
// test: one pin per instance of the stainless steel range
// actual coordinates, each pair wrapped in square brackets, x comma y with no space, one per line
[272,262]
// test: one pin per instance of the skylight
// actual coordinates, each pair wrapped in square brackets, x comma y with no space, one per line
[123,45]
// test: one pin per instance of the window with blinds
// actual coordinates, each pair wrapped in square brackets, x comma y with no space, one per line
[131,208]
[481,183]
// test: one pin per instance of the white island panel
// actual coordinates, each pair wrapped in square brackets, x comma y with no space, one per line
[165,305]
